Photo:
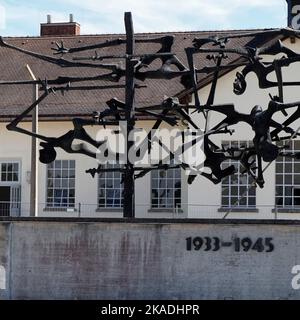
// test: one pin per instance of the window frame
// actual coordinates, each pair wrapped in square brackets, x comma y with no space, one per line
[285,179]
[231,197]
[53,205]
[121,189]
[9,161]
[166,207]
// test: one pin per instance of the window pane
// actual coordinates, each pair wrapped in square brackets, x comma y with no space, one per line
[71,183]
[178,173]
[296,145]
[279,191]
[65,164]
[60,188]
[279,179]
[243,202]
[288,167]
[72,173]
[162,183]
[162,174]
[234,191]
[288,179]
[243,179]
[50,193]
[234,179]
[297,167]
[155,183]
[10,172]
[57,164]
[225,191]
[236,188]
[57,174]
[252,191]
[279,201]
[166,188]
[170,174]
[225,201]
[252,201]
[110,188]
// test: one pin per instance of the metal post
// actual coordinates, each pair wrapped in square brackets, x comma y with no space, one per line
[79,209]
[128,207]
[34,147]
[289,22]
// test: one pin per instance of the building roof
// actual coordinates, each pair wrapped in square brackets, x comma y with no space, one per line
[15,99]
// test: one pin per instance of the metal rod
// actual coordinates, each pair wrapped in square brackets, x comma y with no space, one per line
[124,56]
[34,148]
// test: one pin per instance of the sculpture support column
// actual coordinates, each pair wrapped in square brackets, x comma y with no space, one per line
[128,178]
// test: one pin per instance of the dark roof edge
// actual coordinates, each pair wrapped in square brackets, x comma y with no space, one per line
[105,35]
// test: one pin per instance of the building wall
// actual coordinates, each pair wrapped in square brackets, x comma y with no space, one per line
[113,260]
[17,146]
[204,198]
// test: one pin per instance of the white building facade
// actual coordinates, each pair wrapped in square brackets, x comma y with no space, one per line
[66,190]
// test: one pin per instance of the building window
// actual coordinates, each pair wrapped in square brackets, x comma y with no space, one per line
[61,184]
[110,188]
[288,178]
[238,190]
[166,189]
[10,172]
[10,189]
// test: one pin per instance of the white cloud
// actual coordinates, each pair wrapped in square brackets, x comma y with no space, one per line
[22,17]
[166,15]
[106,16]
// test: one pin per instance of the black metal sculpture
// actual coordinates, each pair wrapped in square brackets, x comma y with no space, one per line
[137,68]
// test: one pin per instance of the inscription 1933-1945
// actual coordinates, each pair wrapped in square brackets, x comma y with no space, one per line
[239,244]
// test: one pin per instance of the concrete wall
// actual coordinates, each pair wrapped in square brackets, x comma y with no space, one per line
[111,259]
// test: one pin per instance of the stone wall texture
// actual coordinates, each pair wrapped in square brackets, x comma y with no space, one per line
[145,260]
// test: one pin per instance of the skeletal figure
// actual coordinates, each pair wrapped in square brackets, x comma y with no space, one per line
[65,142]
[263,69]
[260,122]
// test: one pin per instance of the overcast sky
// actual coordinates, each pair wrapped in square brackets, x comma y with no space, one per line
[22,18]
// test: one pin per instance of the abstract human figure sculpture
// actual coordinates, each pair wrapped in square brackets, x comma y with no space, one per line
[65,142]
[260,121]
[137,67]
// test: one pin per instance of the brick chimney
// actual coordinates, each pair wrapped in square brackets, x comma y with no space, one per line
[70,28]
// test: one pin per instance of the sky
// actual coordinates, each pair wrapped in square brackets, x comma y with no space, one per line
[23,18]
